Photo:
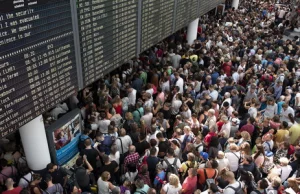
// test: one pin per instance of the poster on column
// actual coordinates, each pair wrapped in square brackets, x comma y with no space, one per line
[66,140]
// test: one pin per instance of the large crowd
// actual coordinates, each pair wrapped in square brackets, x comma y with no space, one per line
[217,116]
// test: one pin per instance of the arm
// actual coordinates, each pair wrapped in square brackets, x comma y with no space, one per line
[111,186]
[90,168]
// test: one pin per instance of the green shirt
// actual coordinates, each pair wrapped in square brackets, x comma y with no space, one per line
[138,115]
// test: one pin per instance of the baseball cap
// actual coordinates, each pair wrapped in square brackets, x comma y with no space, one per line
[204,155]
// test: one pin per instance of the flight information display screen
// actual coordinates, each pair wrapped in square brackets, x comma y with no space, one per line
[108,35]
[37,59]
[186,12]
[157,21]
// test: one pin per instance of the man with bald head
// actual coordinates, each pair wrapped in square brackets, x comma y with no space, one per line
[132,157]
[10,187]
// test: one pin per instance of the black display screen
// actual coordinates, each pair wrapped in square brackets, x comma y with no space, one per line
[37,60]
[157,21]
[108,35]
[186,12]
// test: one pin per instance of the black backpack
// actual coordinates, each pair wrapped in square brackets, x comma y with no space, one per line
[238,190]
[81,145]
[172,168]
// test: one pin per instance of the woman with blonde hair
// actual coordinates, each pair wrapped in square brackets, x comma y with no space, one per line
[173,187]
[245,138]
[104,186]
[245,149]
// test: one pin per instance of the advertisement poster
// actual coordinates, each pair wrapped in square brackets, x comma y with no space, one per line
[66,140]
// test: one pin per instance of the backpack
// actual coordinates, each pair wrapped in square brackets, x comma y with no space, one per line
[257,175]
[81,145]
[56,190]
[172,168]
[107,143]
[238,190]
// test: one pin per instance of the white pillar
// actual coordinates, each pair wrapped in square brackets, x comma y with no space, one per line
[235,4]
[35,144]
[192,31]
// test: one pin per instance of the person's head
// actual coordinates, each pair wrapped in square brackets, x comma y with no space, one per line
[87,142]
[51,167]
[48,178]
[247,159]
[233,147]
[3,162]
[227,175]
[224,119]
[284,161]
[192,172]
[9,183]
[199,139]
[160,136]
[79,162]
[245,135]
[221,155]
[174,180]
[36,178]
[139,183]
[153,151]
[211,112]
[159,167]
[132,149]
[285,106]
[187,130]
[151,191]
[131,167]
[122,132]
[262,184]
[105,176]
[170,152]
[190,157]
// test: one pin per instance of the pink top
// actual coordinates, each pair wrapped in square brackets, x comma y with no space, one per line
[8,171]
[189,185]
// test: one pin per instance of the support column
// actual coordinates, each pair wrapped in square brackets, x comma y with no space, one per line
[235,4]
[35,144]
[192,31]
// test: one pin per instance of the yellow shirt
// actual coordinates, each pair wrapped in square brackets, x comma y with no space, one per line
[280,135]
[294,133]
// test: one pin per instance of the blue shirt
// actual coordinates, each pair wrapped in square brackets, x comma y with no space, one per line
[161,175]
[279,106]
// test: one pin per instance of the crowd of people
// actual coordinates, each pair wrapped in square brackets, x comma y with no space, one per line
[217,116]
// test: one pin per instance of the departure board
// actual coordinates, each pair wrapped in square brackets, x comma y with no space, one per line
[157,21]
[186,12]
[37,66]
[108,35]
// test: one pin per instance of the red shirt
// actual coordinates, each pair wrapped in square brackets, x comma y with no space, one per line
[227,68]
[190,185]
[16,190]
[209,136]
[248,127]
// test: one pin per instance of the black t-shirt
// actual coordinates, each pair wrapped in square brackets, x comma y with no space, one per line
[82,177]
[152,162]
[167,114]
[163,146]
[91,155]
[141,147]
[111,169]
[58,176]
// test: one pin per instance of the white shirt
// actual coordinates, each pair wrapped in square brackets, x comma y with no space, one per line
[229,190]
[176,104]
[170,189]
[132,97]
[171,161]
[297,97]
[226,129]
[252,112]
[147,118]
[268,145]
[227,100]
[115,157]
[23,183]
[175,60]
[223,163]
[284,172]
[284,114]
[165,86]
[236,77]
[126,142]
[186,114]
[214,94]
[180,83]
[234,160]
[103,125]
